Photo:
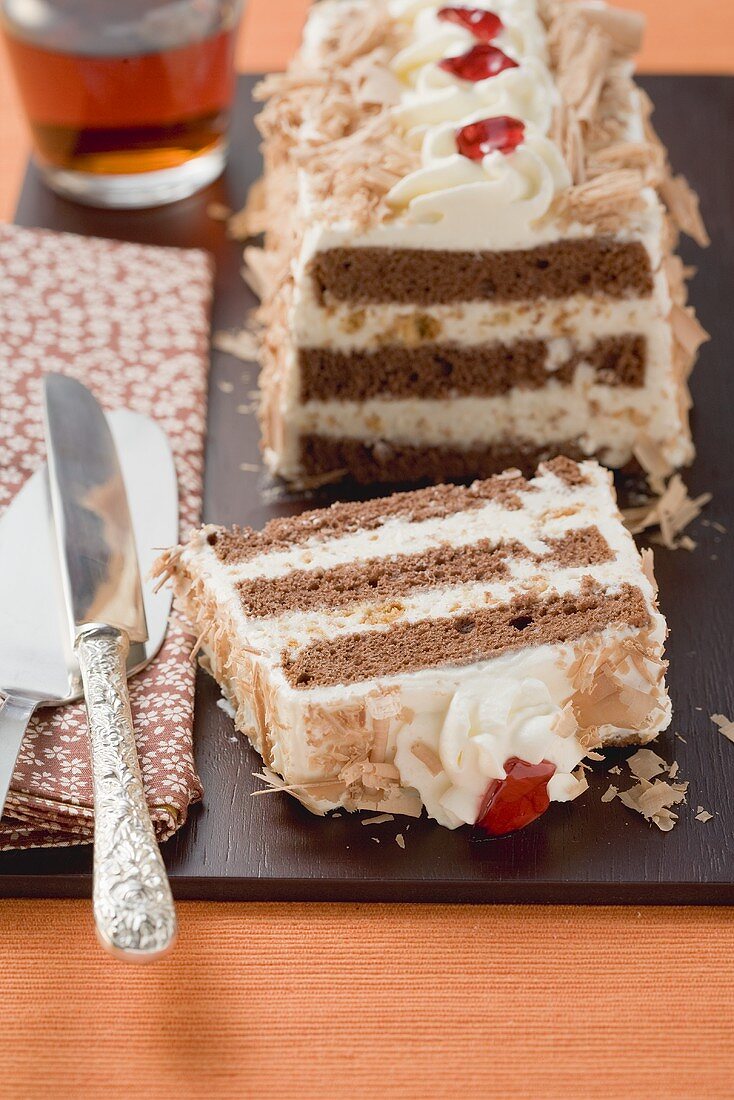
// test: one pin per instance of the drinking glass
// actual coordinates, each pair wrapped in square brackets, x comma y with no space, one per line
[128,100]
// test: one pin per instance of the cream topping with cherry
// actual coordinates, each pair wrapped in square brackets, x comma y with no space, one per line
[492,719]
[478,97]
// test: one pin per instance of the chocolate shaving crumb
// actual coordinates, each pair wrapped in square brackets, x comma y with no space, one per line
[400,840]
[580,777]
[648,567]
[726,725]
[703,815]
[672,511]
[645,764]
[218,212]
[682,204]
[427,756]
[653,801]
[685,542]
[610,793]
[242,345]
[226,706]
[378,819]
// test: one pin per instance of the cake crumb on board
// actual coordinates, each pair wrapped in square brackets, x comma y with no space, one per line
[726,725]
[378,819]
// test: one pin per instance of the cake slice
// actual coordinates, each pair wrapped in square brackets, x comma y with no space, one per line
[452,647]
[469,262]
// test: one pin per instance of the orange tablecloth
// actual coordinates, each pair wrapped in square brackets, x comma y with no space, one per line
[411,1002]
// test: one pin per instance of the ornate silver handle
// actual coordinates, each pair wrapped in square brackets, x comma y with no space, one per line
[133,905]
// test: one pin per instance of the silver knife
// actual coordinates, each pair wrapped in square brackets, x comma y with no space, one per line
[133,905]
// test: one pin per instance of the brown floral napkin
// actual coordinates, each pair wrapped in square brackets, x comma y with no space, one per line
[131,322]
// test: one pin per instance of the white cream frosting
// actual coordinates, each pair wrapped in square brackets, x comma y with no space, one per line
[504,193]
[432,39]
[452,202]
[577,320]
[451,707]
[500,203]
[492,716]
[527,92]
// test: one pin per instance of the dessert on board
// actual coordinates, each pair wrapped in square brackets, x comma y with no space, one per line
[456,648]
[469,255]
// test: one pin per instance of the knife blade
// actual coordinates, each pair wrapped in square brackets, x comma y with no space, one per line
[133,906]
[37,663]
[93,525]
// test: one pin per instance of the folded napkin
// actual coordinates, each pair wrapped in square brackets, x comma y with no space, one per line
[131,322]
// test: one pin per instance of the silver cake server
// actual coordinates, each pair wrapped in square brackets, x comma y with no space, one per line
[37,664]
[133,905]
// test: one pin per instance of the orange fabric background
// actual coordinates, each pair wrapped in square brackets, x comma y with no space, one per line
[394,1001]
[346,1001]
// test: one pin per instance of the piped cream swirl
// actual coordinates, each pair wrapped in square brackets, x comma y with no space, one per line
[503,194]
[433,38]
[488,721]
[527,93]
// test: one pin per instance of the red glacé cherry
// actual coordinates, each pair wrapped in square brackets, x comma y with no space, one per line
[514,802]
[489,135]
[484,25]
[478,63]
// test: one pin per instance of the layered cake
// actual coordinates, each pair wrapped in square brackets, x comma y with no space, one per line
[469,264]
[456,648]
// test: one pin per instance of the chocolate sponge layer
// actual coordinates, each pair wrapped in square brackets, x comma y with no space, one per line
[382,462]
[443,370]
[593,266]
[476,636]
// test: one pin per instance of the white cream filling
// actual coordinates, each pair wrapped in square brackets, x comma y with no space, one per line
[581,320]
[599,419]
[294,629]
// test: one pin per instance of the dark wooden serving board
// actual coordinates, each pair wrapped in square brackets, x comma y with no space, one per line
[270,848]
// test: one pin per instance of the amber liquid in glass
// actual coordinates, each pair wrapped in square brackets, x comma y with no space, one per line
[129,112]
